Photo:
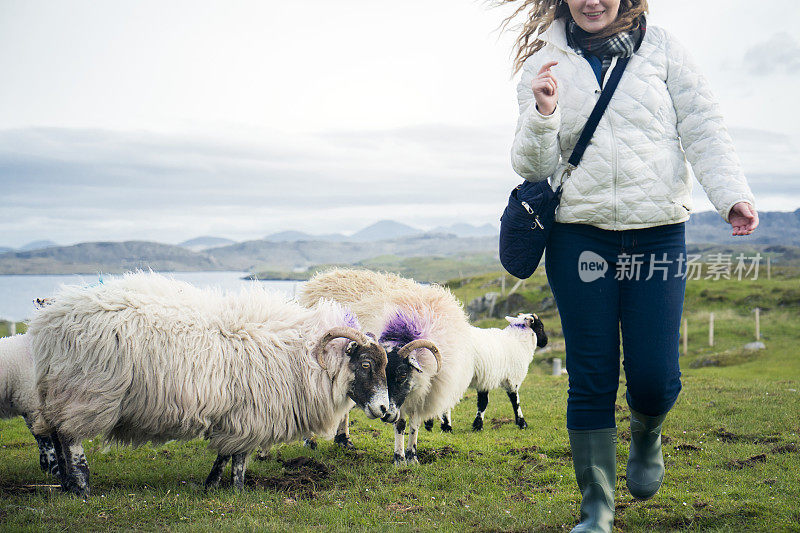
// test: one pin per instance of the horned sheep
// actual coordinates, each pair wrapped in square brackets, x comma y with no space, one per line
[424,381]
[18,395]
[145,358]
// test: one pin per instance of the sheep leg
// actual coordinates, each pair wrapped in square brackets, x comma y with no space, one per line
[238,467]
[399,437]
[310,442]
[62,463]
[48,461]
[342,437]
[76,467]
[513,396]
[483,401]
[212,481]
[446,418]
[411,449]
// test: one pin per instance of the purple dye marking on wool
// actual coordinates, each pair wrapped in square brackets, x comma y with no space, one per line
[401,328]
[521,325]
[350,319]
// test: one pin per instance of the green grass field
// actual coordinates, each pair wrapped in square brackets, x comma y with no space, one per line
[732,451]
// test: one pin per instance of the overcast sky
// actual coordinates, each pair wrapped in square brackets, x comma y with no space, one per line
[165,120]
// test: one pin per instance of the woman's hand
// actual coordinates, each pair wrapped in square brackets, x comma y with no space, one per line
[743,218]
[545,89]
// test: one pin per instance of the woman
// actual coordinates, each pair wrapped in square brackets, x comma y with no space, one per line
[623,210]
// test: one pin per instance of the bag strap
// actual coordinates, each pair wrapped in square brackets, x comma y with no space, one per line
[594,117]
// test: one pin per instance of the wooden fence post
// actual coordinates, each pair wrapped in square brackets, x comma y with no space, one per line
[12,329]
[769,269]
[503,286]
[556,366]
[758,323]
[711,329]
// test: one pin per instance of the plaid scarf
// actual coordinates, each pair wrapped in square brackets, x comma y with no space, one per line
[622,44]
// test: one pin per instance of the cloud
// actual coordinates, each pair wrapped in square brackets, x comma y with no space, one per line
[71,185]
[779,53]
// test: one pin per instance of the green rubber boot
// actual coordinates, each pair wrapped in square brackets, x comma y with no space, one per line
[594,456]
[645,460]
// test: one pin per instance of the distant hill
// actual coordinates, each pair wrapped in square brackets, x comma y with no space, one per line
[463,229]
[37,245]
[778,236]
[294,236]
[111,257]
[199,244]
[775,227]
[385,229]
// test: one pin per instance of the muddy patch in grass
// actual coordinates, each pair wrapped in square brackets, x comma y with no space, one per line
[303,477]
[497,423]
[429,455]
[725,435]
[738,464]
[786,448]
[526,454]
[687,448]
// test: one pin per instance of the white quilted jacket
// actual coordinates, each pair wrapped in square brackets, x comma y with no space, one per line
[634,172]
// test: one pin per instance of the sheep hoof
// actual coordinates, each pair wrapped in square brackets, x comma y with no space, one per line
[310,443]
[411,459]
[429,425]
[521,423]
[447,428]
[477,424]
[344,441]
[399,460]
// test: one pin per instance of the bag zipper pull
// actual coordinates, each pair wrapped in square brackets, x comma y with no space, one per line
[527,207]
[538,222]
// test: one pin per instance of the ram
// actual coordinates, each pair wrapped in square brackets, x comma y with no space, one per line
[144,358]
[426,334]
[18,395]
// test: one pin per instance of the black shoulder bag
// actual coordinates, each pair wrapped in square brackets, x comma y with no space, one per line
[531,210]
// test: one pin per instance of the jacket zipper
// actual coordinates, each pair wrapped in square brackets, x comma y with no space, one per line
[614,153]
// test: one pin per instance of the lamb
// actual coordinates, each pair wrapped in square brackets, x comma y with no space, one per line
[146,358]
[502,358]
[421,326]
[18,393]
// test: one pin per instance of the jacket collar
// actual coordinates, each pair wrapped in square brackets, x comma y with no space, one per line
[556,35]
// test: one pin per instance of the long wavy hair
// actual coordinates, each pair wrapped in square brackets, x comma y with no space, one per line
[540,14]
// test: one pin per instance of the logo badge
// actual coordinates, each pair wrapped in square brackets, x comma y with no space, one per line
[591,266]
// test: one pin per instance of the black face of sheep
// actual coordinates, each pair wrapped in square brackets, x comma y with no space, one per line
[370,390]
[538,327]
[367,362]
[401,368]
[531,321]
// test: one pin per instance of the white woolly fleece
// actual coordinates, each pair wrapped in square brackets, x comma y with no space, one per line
[17,381]
[501,356]
[373,297]
[146,358]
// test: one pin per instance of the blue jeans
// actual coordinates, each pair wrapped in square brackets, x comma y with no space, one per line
[600,282]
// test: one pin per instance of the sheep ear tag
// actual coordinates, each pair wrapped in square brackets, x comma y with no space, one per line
[412,361]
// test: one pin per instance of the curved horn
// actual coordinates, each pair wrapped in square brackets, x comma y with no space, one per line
[406,350]
[338,333]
